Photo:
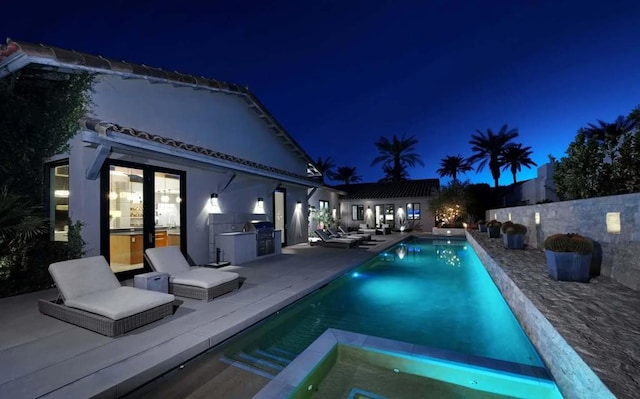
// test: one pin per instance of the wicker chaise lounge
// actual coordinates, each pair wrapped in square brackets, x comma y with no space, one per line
[93,298]
[327,241]
[190,281]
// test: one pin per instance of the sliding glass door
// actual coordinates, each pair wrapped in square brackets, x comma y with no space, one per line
[143,208]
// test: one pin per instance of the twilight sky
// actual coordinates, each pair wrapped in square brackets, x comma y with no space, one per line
[338,75]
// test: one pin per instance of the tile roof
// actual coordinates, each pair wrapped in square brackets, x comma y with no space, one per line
[404,189]
[57,57]
[102,128]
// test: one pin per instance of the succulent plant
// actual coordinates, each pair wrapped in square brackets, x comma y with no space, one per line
[494,224]
[514,228]
[506,225]
[570,242]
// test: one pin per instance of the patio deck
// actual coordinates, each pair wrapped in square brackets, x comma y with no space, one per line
[44,357]
[41,356]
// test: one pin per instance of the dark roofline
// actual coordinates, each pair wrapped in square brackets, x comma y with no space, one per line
[58,57]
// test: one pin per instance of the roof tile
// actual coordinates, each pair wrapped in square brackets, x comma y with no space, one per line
[409,188]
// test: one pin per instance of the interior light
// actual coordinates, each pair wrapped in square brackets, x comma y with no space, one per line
[178,200]
[113,195]
[164,198]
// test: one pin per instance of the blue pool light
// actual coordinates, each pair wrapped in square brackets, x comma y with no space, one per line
[355,275]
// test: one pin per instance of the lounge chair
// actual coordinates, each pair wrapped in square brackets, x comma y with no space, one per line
[364,229]
[93,298]
[365,237]
[190,281]
[334,233]
[327,241]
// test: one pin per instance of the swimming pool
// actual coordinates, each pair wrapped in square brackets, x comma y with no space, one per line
[430,293]
[433,293]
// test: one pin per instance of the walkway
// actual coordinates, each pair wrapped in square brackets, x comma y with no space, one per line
[600,320]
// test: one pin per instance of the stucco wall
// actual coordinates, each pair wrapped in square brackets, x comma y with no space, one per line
[616,254]
[221,122]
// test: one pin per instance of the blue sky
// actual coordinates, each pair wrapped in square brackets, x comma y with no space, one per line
[340,74]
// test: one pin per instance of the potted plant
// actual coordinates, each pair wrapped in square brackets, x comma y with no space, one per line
[482,225]
[568,257]
[493,228]
[513,235]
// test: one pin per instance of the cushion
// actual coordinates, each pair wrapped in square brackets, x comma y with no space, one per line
[80,277]
[202,277]
[121,302]
[167,259]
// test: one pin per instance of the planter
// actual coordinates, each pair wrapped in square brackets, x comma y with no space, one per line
[568,266]
[482,227]
[513,241]
[494,232]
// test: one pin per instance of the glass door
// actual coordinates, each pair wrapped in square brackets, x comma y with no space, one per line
[144,209]
[279,209]
[167,200]
[126,218]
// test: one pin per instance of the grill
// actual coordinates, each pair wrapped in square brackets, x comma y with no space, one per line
[264,236]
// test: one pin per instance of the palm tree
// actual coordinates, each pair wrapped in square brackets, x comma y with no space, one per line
[347,174]
[610,133]
[514,157]
[452,165]
[488,147]
[20,222]
[325,166]
[396,155]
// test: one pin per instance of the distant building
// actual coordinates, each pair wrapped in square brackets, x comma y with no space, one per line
[401,204]
[532,191]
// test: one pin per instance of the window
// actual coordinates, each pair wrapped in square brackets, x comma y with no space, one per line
[59,201]
[413,211]
[357,212]
[389,215]
[324,204]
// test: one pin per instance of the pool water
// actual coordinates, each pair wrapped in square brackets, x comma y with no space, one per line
[434,293]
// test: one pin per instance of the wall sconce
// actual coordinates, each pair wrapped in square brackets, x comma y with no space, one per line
[61,193]
[214,206]
[537,217]
[613,222]
[214,199]
[260,202]
[509,215]
[298,205]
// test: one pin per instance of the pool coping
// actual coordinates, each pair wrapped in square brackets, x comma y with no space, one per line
[574,377]
[290,378]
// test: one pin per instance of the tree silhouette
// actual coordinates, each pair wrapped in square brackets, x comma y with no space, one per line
[514,157]
[396,156]
[347,175]
[488,147]
[452,165]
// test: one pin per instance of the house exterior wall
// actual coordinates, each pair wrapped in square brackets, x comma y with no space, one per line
[533,191]
[323,194]
[212,120]
[425,223]
[615,253]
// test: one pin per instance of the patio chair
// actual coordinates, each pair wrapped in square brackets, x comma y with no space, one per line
[360,238]
[364,229]
[93,298]
[327,241]
[190,281]
[340,230]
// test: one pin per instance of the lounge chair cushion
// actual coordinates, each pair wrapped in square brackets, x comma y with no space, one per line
[121,302]
[325,237]
[168,260]
[80,277]
[203,277]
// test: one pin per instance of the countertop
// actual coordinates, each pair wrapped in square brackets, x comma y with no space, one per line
[138,231]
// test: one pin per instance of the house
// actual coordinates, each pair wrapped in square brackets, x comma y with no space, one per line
[401,205]
[166,158]
[532,191]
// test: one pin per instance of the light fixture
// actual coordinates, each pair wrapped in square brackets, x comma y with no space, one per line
[299,205]
[537,217]
[164,198]
[613,222]
[178,200]
[260,202]
[61,193]
[113,195]
[213,199]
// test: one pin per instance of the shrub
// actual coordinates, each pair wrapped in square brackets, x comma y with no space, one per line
[515,228]
[570,242]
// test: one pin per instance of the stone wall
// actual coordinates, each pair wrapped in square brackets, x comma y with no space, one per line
[616,252]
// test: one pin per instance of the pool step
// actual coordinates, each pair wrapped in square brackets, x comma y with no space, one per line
[266,362]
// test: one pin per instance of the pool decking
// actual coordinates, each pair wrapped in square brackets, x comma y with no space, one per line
[41,356]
